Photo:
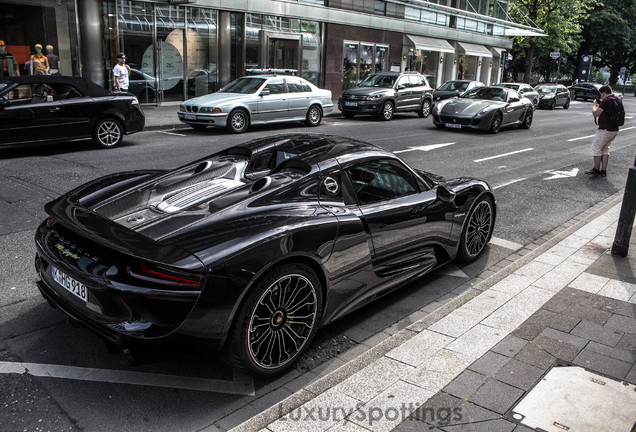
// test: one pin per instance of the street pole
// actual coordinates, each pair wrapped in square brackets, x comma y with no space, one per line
[626,218]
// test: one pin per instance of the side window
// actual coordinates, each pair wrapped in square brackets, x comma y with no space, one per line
[403,81]
[381,180]
[414,81]
[294,85]
[275,86]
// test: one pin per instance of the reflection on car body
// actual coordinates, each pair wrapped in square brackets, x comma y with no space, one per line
[524,90]
[253,248]
[454,88]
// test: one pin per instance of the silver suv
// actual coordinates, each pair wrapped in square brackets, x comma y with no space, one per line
[384,94]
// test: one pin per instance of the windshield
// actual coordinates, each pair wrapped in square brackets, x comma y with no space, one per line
[545,89]
[488,93]
[245,85]
[385,81]
[510,86]
[454,85]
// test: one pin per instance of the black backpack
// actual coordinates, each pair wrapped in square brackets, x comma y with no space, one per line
[616,115]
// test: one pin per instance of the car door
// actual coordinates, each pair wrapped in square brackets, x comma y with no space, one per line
[272,102]
[562,95]
[79,110]
[515,109]
[403,98]
[417,91]
[297,97]
[404,218]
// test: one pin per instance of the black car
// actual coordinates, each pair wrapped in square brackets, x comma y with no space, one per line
[552,96]
[454,88]
[251,249]
[384,94]
[54,109]
[586,90]
[486,108]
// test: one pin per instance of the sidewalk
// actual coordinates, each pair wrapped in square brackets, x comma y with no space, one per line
[548,342]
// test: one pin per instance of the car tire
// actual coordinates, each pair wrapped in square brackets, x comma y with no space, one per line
[348,114]
[527,119]
[314,116]
[495,124]
[477,230]
[386,113]
[108,133]
[425,109]
[237,121]
[198,127]
[566,105]
[284,305]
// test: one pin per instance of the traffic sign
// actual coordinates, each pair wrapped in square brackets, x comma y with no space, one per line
[555,54]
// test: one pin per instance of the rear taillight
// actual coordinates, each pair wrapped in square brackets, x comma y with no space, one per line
[165,275]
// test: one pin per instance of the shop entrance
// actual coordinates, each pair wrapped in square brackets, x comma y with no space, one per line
[283,53]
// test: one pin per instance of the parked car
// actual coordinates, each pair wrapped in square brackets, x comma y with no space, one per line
[42,109]
[524,90]
[258,99]
[252,249]
[487,108]
[454,88]
[586,90]
[384,94]
[553,95]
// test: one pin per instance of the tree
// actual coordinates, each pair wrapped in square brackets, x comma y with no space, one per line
[609,33]
[560,19]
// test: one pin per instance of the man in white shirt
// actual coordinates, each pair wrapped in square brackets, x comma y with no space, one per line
[121,72]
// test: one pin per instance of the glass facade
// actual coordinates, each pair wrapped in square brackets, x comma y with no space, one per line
[425,62]
[361,59]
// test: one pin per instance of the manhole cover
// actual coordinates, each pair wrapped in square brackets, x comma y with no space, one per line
[570,398]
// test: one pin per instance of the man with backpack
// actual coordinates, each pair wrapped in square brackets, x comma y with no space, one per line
[610,114]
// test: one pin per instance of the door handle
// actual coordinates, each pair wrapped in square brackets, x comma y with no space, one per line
[54,109]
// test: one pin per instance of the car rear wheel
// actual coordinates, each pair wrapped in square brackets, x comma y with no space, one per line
[387,111]
[495,125]
[314,116]
[425,110]
[237,121]
[108,133]
[527,120]
[477,230]
[567,104]
[277,321]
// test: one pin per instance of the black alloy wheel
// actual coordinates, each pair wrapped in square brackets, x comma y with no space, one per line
[387,111]
[477,230]
[527,119]
[495,125]
[567,104]
[552,104]
[314,116]
[278,320]
[108,133]
[425,110]
[237,121]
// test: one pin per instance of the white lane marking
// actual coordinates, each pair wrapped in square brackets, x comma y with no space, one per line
[397,137]
[506,244]
[171,133]
[452,270]
[592,136]
[242,384]
[562,174]
[628,128]
[428,147]
[509,183]
[503,155]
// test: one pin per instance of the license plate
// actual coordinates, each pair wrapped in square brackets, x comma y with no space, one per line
[351,104]
[453,125]
[74,287]
[190,116]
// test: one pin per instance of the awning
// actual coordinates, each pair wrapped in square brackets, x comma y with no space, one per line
[497,51]
[474,50]
[431,44]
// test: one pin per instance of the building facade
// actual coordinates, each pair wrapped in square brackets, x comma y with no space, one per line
[179,49]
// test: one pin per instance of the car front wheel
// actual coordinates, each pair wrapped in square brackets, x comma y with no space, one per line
[387,111]
[477,230]
[425,110]
[277,321]
[567,104]
[314,116]
[237,121]
[108,133]
[527,120]
[495,125]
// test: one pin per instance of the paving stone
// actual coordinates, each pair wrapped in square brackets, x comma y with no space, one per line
[615,306]
[512,284]
[489,363]
[517,310]
[439,369]
[555,320]
[618,290]
[558,303]
[476,341]
[597,333]
[510,345]
[413,425]
[534,270]
[557,348]
[519,374]
[565,337]
[619,354]
[560,276]
[589,282]
[459,321]
[536,356]
[580,311]
[621,323]
[603,364]
[529,330]
[465,384]
[499,425]
[631,376]
[627,342]
[421,346]
[435,411]
[522,428]
[496,396]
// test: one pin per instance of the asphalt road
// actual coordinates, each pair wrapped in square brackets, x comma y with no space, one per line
[56,377]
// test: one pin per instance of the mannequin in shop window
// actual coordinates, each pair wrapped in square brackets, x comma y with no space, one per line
[8,65]
[54,61]
[39,62]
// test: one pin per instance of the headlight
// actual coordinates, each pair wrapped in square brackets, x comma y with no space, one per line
[208,110]
[484,110]
[373,97]
[135,101]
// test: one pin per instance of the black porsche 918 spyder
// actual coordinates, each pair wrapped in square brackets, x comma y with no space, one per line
[251,249]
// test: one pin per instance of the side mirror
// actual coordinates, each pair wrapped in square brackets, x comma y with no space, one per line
[445,195]
[401,87]
[265,93]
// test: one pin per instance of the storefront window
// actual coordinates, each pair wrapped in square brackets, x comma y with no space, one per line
[366,61]
[430,64]
[381,58]
[362,59]
[202,52]
[350,65]
[467,67]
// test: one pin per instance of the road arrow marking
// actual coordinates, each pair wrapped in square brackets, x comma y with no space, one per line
[424,147]
[562,174]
